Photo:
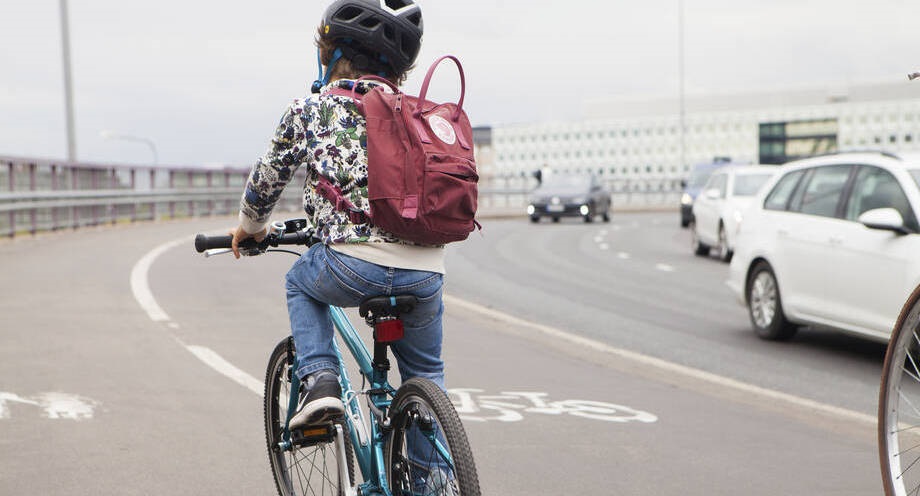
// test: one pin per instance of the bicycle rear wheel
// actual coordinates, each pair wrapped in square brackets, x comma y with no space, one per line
[303,467]
[899,404]
[428,452]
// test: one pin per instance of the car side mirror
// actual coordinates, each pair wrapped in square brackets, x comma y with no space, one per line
[885,219]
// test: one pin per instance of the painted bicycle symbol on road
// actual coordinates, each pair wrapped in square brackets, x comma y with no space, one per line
[510,406]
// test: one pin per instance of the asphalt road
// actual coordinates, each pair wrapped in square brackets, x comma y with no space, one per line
[584,358]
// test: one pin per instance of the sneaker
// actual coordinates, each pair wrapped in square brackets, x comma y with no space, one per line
[440,484]
[322,403]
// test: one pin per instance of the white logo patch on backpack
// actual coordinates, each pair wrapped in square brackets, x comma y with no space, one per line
[442,129]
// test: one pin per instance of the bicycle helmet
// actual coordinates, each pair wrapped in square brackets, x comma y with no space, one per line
[387,31]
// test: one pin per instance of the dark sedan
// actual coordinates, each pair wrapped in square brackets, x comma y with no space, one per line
[569,196]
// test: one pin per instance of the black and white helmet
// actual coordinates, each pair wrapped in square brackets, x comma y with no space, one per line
[390,29]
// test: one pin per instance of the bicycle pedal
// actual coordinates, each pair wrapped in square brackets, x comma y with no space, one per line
[309,435]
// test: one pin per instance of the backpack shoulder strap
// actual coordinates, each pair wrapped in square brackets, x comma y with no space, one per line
[334,195]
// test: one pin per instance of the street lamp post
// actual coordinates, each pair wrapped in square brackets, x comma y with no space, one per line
[68,84]
[109,135]
[683,125]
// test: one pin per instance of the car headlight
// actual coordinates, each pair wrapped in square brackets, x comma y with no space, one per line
[530,209]
[686,199]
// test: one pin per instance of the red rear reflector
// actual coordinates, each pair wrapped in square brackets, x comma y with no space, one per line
[389,330]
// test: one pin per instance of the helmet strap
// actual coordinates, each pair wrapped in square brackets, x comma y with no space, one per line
[323,80]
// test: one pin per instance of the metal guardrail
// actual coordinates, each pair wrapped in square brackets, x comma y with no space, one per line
[43,195]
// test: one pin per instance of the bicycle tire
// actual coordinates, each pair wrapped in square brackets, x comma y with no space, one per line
[899,404]
[418,401]
[301,470]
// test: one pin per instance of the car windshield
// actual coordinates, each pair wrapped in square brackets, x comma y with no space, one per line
[749,184]
[698,178]
[576,184]
[915,173]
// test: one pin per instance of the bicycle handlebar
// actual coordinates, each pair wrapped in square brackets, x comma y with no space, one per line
[204,242]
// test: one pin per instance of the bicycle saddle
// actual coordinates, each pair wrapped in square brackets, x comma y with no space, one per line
[387,306]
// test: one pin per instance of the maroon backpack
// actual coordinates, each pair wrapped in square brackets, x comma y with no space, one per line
[421,175]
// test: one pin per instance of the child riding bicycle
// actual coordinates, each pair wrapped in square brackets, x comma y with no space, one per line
[325,134]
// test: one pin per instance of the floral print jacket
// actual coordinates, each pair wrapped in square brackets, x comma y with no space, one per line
[326,134]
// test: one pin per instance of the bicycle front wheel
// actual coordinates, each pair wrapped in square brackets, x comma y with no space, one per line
[899,404]
[300,466]
[428,452]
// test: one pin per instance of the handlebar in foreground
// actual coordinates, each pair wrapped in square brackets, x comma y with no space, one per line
[204,242]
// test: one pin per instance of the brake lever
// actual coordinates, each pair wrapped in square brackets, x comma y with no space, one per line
[216,251]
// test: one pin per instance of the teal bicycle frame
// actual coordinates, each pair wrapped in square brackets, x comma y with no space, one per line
[368,446]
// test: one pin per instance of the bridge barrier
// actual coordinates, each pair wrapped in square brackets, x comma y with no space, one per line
[46,195]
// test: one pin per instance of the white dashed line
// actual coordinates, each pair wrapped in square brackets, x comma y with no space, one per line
[664,267]
[144,297]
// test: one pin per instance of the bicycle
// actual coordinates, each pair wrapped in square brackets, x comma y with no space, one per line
[411,440]
[899,404]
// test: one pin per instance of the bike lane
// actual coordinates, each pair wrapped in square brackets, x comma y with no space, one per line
[549,415]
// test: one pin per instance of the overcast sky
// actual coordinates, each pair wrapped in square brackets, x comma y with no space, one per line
[206,81]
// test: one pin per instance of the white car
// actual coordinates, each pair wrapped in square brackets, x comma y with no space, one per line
[718,209]
[833,242]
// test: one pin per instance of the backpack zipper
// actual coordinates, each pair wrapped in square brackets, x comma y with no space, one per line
[398,105]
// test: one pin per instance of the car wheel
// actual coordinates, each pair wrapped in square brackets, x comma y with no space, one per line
[534,218]
[606,216]
[555,219]
[698,247]
[765,306]
[724,252]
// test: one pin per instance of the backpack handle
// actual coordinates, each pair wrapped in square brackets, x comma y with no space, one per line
[421,96]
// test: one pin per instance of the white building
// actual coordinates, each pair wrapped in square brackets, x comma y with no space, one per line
[640,141]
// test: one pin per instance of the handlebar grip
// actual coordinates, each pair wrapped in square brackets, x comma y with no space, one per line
[204,242]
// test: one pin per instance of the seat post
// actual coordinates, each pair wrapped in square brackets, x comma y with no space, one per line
[381,362]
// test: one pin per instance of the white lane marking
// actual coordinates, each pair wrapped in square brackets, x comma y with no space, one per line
[604,246]
[11,398]
[664,365]
[141,288]
[54,405]
[623,255]
[144,297]
[509,406]
[226,368]
[664,267]
[66,406]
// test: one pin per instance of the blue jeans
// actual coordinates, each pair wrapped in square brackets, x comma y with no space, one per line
[324,277]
